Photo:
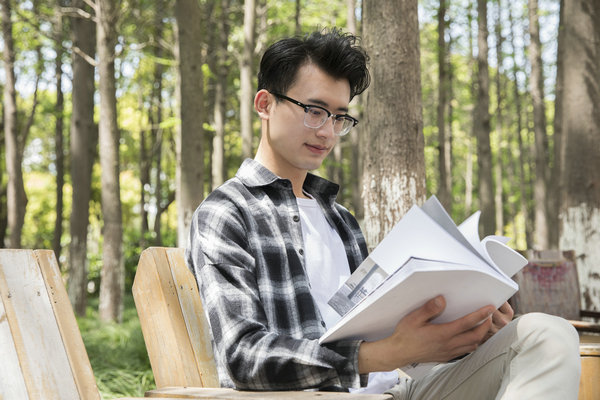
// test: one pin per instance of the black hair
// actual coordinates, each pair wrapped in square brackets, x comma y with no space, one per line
[338,54]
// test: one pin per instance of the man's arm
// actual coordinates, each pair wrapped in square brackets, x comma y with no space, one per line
[417,340]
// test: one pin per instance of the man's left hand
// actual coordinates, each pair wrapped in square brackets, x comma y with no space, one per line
[500,318]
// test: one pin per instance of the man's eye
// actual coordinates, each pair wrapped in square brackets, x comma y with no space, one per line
[317,112]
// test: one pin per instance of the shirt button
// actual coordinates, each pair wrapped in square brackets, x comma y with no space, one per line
[301,251]
[296,218]
[323,324]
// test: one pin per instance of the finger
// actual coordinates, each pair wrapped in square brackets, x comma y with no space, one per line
[471,320]
[429,310]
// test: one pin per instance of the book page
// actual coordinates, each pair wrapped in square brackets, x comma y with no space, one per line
[419,236]
[438,213]
[367,277]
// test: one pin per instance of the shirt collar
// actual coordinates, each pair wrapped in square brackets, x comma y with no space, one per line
[254,174]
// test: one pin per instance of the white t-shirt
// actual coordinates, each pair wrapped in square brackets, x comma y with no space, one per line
[327,268]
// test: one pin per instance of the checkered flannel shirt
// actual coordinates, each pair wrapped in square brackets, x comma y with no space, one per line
[246,251]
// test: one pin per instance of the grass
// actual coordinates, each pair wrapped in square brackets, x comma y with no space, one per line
[117,353]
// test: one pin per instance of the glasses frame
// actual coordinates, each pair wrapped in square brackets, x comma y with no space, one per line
[306,107]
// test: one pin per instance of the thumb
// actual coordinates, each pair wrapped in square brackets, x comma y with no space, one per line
[433,308]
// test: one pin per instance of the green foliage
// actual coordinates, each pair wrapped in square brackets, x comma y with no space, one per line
[117,353]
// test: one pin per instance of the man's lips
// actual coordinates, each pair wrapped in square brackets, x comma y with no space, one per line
[315,148]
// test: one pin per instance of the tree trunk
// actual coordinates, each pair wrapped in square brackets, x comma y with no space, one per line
[221,71]
[498,165]
[394,173]
[246,95]
[539,127]
[355,179]
[522,160]
[59,132]
[113,270]
[190,155]
[84,138]
[444,156]
[580,145]
[554,187]
[16,199]
[481,125]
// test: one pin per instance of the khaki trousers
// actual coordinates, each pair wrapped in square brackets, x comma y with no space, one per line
[534,357]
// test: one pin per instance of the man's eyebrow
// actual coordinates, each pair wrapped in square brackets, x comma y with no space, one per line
[322,103]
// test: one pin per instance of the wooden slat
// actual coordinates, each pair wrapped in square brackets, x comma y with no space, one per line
[231,394]
[12,385]
[34,329]
[67,324]
[589,386]
[163,326]
[197,326]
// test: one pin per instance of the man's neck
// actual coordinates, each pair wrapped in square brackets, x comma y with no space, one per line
[294,175]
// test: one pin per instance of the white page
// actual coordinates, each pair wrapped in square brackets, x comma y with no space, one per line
[508,260]
[465,289]
[438,213]
[417,235]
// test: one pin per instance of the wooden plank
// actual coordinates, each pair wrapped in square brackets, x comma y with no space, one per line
[12,384]
[232,394]
[67,325]
[198,329]
[589,385]
[35,332]
[162,323]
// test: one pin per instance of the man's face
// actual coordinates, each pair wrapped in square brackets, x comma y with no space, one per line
[293,146]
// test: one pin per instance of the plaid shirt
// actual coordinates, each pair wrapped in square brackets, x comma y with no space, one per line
[246,251]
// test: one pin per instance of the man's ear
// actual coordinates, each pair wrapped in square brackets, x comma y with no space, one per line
[263,102]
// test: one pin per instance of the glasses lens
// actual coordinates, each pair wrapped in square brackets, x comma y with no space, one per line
[315,117]
[342,125]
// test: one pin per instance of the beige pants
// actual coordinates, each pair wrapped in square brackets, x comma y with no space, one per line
[534,357]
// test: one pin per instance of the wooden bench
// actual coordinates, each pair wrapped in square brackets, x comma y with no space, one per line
[178,337]
[42,355]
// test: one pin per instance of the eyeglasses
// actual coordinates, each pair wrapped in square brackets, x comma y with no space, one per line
[316,116]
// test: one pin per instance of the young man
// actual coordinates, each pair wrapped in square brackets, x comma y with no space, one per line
[271,245]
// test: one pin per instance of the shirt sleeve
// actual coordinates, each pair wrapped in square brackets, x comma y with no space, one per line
[254,356]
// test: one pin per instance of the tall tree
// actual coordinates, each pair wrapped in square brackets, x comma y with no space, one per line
[221,70]
[16,196]
[355,133]
[580,144]
[246,63]
[394,173]
[522,160]
[554,183]
[498,165]
[190,155]
[444,154]
[539,127]
[84,139]
[112,282]
[481,125]
[59,110]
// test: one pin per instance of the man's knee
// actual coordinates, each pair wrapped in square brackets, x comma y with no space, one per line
[554,336]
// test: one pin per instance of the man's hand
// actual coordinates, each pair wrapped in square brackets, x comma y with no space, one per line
[500,318]
[416,339]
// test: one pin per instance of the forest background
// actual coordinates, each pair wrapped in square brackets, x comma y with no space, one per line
[119,117]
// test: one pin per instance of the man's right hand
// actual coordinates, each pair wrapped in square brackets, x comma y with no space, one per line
[417,340]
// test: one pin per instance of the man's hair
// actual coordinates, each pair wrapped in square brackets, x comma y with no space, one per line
[336,53]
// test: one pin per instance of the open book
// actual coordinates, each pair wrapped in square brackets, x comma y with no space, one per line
[423,256]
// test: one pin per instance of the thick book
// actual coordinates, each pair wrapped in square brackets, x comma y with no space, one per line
[425,255]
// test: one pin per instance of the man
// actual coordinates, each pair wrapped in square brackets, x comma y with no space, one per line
[271,245]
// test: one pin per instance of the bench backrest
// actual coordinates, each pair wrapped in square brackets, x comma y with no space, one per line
[548,283]
[175,329]
[42,355]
